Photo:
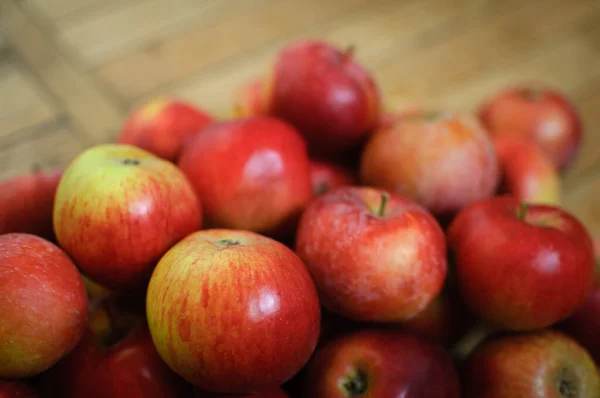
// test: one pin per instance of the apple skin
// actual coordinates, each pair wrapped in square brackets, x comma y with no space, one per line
[544,116]
[249,100]
[528,174]
[369,267]
[27,201]
[533,364]
[323,92]
[163,126]
[43,305]
[521,274]
[584,324]
[233,311]
[459,169]
[131,368]
[16,389]
[326,176]
[278,393]
[382,364]
[250,174]
[118,209]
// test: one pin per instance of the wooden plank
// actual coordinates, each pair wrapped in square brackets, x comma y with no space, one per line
[55,9]
[373,30]
[491,44]
[581,199]
[23,102]
[127,26]
[53,146]
[144,71]
[85,102]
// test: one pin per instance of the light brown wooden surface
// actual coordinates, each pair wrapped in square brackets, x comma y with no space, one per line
[71,70]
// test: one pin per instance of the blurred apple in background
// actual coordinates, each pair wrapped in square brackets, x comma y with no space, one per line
[444,161]
[545,364]
[323,92]
[163,126]
[27,201]
[326,176]
[16,389]
[381,364]
[544,116]
[118,209]
[250,174]
[374,256]
[521,267]
[233,311]
[43,305]
[249,100]
[527,172]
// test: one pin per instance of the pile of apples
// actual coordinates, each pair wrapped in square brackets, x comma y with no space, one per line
[319,243]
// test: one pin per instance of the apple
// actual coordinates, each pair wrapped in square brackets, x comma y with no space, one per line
[381,364]
[521,267]
[375,256]
[249,100]
[250,174]
[163,126]
[326,176]
[43,305]
[542,115]
[544,363]
[442,160]
[26,202]
[395,111]
[233,311]
[16,389]
[118,209]
[324,93]
[126,367]
[528,174]
[273,393]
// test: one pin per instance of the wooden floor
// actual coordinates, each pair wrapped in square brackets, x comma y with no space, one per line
[71,70]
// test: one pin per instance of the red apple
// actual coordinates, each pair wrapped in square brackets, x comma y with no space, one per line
[528,174]
[324,93]
[26,202]
[163,126]
[521,267]
[544,364]
[249,100]
[127,368]
[326,176]
[233,311]
[374,256]
[444,161]
[277,393]
[250,174]
[119,208]
[544,116]
[43,305]
[16,389]
[381,364]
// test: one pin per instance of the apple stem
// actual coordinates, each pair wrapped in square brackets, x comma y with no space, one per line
[228,242]
[382,204]
[131,162]
[522,211]
[472,339]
